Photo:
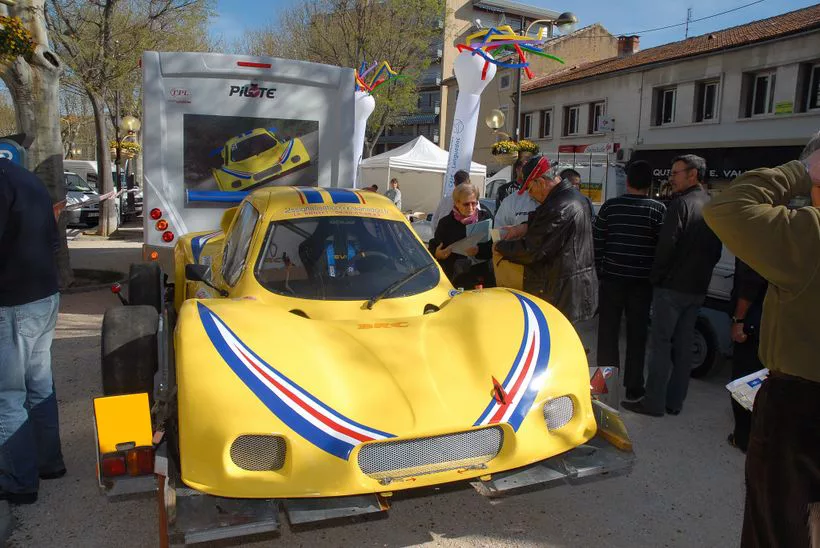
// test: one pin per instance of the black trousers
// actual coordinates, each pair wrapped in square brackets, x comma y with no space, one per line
[745,361]
[615,298]
[783,466]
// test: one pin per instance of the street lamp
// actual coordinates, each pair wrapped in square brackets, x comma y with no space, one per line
[564,21]
[131,124]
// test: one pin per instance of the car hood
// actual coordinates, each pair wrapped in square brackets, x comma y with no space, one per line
[378,378]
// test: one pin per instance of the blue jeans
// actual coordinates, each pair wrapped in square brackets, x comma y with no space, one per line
[674,315]
[29,425]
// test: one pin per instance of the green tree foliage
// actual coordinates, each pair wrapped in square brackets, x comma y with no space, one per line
[102,42]
[346,33]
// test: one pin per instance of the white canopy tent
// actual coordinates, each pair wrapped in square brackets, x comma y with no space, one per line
[420,167]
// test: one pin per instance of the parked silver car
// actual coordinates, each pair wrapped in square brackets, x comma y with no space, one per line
[82,201]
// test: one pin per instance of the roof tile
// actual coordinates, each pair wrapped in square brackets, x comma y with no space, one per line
[757,31]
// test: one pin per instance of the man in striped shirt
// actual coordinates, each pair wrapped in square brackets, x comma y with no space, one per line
[626,234]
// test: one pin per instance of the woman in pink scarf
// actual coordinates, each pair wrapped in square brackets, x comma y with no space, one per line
[476,267]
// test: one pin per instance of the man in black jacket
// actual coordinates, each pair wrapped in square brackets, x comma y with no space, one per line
[555,245]
[686,253]
[29,299]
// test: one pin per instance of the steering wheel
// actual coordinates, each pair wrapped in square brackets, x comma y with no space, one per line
[374,258]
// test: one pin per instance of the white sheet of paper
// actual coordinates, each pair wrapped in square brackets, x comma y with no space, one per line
[476,233]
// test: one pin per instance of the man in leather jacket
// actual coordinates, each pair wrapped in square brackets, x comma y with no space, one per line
[555,244]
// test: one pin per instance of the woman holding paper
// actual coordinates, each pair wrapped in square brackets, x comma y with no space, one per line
[461,243]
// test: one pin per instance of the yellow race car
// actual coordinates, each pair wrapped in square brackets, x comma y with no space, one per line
[257,157]
[311,356]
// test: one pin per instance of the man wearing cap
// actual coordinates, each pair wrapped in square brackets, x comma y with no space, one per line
[555,244]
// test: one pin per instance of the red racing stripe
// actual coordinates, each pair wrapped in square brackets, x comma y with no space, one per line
[512,393]
[335,426]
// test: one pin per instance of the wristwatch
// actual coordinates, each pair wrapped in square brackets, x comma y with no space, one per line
[738,320]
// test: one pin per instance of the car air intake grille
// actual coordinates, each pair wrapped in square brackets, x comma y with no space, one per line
[558,412]
[270,172]
[392,460]
[258,453]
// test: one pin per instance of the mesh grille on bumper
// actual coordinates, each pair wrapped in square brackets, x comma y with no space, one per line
[404,458]
[258,453]
[558,412]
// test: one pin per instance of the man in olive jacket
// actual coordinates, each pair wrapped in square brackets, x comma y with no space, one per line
[555,245]
[754,221]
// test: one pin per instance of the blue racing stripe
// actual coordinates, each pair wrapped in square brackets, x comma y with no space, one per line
[343,196]
[312,196]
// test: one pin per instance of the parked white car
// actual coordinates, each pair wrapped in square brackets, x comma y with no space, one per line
[78,191]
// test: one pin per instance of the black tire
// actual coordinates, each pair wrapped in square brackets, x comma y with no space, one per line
[704,349]
[129,350]
[145,285]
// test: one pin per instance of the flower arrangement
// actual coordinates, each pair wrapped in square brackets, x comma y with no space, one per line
[505,147]
[528,146]
[127,148]
[15,39]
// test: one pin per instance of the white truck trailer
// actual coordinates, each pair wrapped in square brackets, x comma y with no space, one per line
[217,126]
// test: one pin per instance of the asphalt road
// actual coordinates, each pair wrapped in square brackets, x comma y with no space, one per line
[685,491]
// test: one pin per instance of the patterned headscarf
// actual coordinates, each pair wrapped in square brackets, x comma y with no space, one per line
[537,167]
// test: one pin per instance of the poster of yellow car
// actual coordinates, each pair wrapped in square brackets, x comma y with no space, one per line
[257,157]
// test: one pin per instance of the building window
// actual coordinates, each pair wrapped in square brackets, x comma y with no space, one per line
[761,100]
[706,101]
[597,111]
[572,116]
[504,81]
[546,123]
[813,97]
[526,125]
[665,106]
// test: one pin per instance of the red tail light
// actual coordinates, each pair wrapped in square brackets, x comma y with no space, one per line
[116,288]
[140,461]
[113,465]
[156,213]
[161,225]
[168,236]
[253,65]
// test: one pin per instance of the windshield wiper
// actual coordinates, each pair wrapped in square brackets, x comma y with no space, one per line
[397,284]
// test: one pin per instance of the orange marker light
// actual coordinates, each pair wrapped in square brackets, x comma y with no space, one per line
[154,256]
[161,225]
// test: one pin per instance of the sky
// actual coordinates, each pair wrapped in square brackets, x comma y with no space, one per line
[234,17]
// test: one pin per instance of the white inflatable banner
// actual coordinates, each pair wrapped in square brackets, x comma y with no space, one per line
[363,107]
[473,74]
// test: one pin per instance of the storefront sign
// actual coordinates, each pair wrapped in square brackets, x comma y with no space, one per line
[784,107]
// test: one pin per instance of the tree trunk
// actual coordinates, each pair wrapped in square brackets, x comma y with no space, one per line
[34,87]
[108,218]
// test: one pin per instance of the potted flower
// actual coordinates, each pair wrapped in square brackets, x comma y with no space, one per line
[527,149]
[505,152]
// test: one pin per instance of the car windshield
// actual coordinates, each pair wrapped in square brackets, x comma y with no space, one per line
[75,183]
[342,258]
[257,144]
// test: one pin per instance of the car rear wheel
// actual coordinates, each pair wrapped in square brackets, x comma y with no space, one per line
[145,285]
[129,350]
[704,349]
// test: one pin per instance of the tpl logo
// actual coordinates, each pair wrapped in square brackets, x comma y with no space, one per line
[252,91]
[384,325]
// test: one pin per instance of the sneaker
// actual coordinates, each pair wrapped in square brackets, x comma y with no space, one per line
[635,393]
[19,498]
[638,407]
[52,475]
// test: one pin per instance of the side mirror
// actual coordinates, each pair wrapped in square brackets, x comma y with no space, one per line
[197,273]
[227,219]
[201,273]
